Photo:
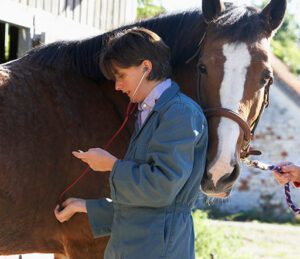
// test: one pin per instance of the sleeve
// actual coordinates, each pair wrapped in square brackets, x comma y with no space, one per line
[169,161]
[100,214]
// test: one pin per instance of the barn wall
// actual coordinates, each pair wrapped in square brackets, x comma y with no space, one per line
[54,20]
[84,12]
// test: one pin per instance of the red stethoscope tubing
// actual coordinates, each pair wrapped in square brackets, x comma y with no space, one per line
[130,110]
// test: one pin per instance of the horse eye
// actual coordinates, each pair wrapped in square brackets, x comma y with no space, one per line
[202,69]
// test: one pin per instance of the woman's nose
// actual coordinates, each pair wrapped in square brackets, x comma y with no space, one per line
[118,86]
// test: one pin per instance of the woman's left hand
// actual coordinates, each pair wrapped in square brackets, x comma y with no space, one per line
[282,178]
[97,158]
[70,207]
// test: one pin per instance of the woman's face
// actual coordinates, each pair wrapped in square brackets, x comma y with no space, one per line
[127,80]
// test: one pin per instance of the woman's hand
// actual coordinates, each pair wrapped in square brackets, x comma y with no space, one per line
[289,173]
[70,207]
[292,170]
[97,158]
[282,178]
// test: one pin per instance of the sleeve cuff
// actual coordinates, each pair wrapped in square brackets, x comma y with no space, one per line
[100,215]
[113,194]
[296,184]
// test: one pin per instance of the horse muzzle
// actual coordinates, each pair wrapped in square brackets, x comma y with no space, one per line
[223,186]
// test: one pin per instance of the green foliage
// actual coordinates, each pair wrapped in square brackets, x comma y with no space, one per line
[269,215]
[221,239]
[286,44]
[213,242]
[217,239]
[146,9]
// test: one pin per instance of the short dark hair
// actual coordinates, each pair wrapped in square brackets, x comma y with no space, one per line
[131,47]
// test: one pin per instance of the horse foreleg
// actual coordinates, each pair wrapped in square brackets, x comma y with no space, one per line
[93,250]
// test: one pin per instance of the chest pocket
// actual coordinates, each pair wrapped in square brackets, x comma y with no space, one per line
[141,151]
[144,138]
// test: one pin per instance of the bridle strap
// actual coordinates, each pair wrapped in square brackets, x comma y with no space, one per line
[197,52]
[264,105]
[223,112]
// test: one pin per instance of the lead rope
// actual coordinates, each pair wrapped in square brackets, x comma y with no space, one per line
[130,109]
[264,166]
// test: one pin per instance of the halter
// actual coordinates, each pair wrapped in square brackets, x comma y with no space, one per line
[243,124]
[232,115]
[247,129]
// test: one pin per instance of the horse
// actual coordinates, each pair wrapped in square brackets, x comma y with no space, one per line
[55,100]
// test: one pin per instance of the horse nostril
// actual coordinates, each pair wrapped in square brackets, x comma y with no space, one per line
[231,177]
[224,184]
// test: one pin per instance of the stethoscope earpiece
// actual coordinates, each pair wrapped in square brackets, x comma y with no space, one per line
[145,69]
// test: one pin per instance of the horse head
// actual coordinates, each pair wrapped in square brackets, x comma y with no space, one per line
[235,65]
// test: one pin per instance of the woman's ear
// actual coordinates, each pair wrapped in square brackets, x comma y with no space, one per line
[147,66]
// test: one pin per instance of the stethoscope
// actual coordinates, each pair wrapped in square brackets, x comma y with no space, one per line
[131,107]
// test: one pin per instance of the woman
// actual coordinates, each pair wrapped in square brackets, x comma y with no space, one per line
[156,184]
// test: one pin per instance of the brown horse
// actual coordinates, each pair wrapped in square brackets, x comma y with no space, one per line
[55,100]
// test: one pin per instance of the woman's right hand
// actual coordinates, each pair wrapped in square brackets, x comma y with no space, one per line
[70,207]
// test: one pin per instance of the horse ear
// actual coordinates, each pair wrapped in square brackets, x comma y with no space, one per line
[273,13]
[211,9]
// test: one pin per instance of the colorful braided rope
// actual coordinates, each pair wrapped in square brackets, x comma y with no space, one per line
[263,166]
[287,192]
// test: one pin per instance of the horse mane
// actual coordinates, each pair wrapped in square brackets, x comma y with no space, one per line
[182,32]
[240,23]
[82,56]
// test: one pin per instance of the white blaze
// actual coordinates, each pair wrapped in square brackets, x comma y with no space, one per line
[231,92]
